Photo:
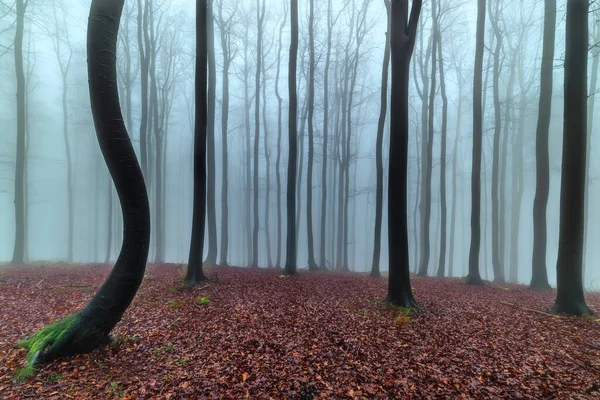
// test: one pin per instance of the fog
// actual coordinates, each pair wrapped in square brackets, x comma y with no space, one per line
[54,47]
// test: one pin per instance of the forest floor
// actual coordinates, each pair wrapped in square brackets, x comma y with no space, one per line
[263,336]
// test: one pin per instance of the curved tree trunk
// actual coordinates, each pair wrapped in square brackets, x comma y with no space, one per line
[194,271]
[90,328]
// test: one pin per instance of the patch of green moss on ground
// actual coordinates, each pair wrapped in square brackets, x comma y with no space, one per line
[36,344]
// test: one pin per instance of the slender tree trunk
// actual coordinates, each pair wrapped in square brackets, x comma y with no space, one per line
[474,277]
[211,212]
[301,135]
[496,250]
[290,264]
[424,265]
[142,29]
[312,264]
[442,261]
[517,180]
[379,148]
[226,49]
[569,295]
[19,246]
[454,175]
[539,277]
[279,135]
[267,164]
[248,152]
[194,271]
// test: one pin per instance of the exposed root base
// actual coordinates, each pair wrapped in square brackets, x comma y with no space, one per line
[577,308]
[62,338]
[474,280]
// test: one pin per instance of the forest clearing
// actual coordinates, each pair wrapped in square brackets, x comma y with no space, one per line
[260,334]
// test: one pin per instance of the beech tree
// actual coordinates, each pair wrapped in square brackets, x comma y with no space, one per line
[402,42]
[194,270]
[90,328]
[473,277]
[569,265]
[290,263]
[539,277]
[379,146]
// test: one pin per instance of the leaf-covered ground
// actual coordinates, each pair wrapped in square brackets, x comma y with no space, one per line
[253,334]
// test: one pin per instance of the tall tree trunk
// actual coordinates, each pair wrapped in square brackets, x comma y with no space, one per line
[226,49]
[322,249]
[569,295]
[508,122]
[424,265]
[90,327]
[442,261]
[142,31]
[590,124]
[194,271]
[454,174]
[19,246]
[267,163]
[211,212]
[312,265]
[279,135]
[403,32]
[517,180]
[473,277]
[496,250]
[248,152]
[539,277]
[109,227]
[301,136]
[379,147]
[290,263]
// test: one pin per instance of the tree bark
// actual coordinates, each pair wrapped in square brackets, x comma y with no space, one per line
[442,260]
[312,265]
[539,277]
[194,271]
[323,255]
[211,212]
[19,246]
[290,264]
[379,147]
[403,32]
[473,277]
[569,295]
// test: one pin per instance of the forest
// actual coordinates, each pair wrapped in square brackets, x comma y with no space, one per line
[298,199]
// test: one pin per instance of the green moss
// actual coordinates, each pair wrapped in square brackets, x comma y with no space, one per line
[37,344]
[203,301]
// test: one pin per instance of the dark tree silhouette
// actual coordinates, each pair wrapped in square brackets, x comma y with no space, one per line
[569,266]
[444,209]
[473,277]
[194,271]
[539,276]
[90,328]
[290,263]
[402,42]
[379,147]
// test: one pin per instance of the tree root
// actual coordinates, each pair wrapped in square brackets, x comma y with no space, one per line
[65,337]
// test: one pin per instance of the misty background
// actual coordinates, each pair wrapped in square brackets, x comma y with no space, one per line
[54,55]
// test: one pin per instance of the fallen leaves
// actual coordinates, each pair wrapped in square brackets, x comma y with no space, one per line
[311,335]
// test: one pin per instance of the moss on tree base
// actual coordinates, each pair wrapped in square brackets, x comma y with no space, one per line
[65,337]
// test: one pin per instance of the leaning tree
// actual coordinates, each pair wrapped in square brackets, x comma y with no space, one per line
[90,327]
[402,43]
